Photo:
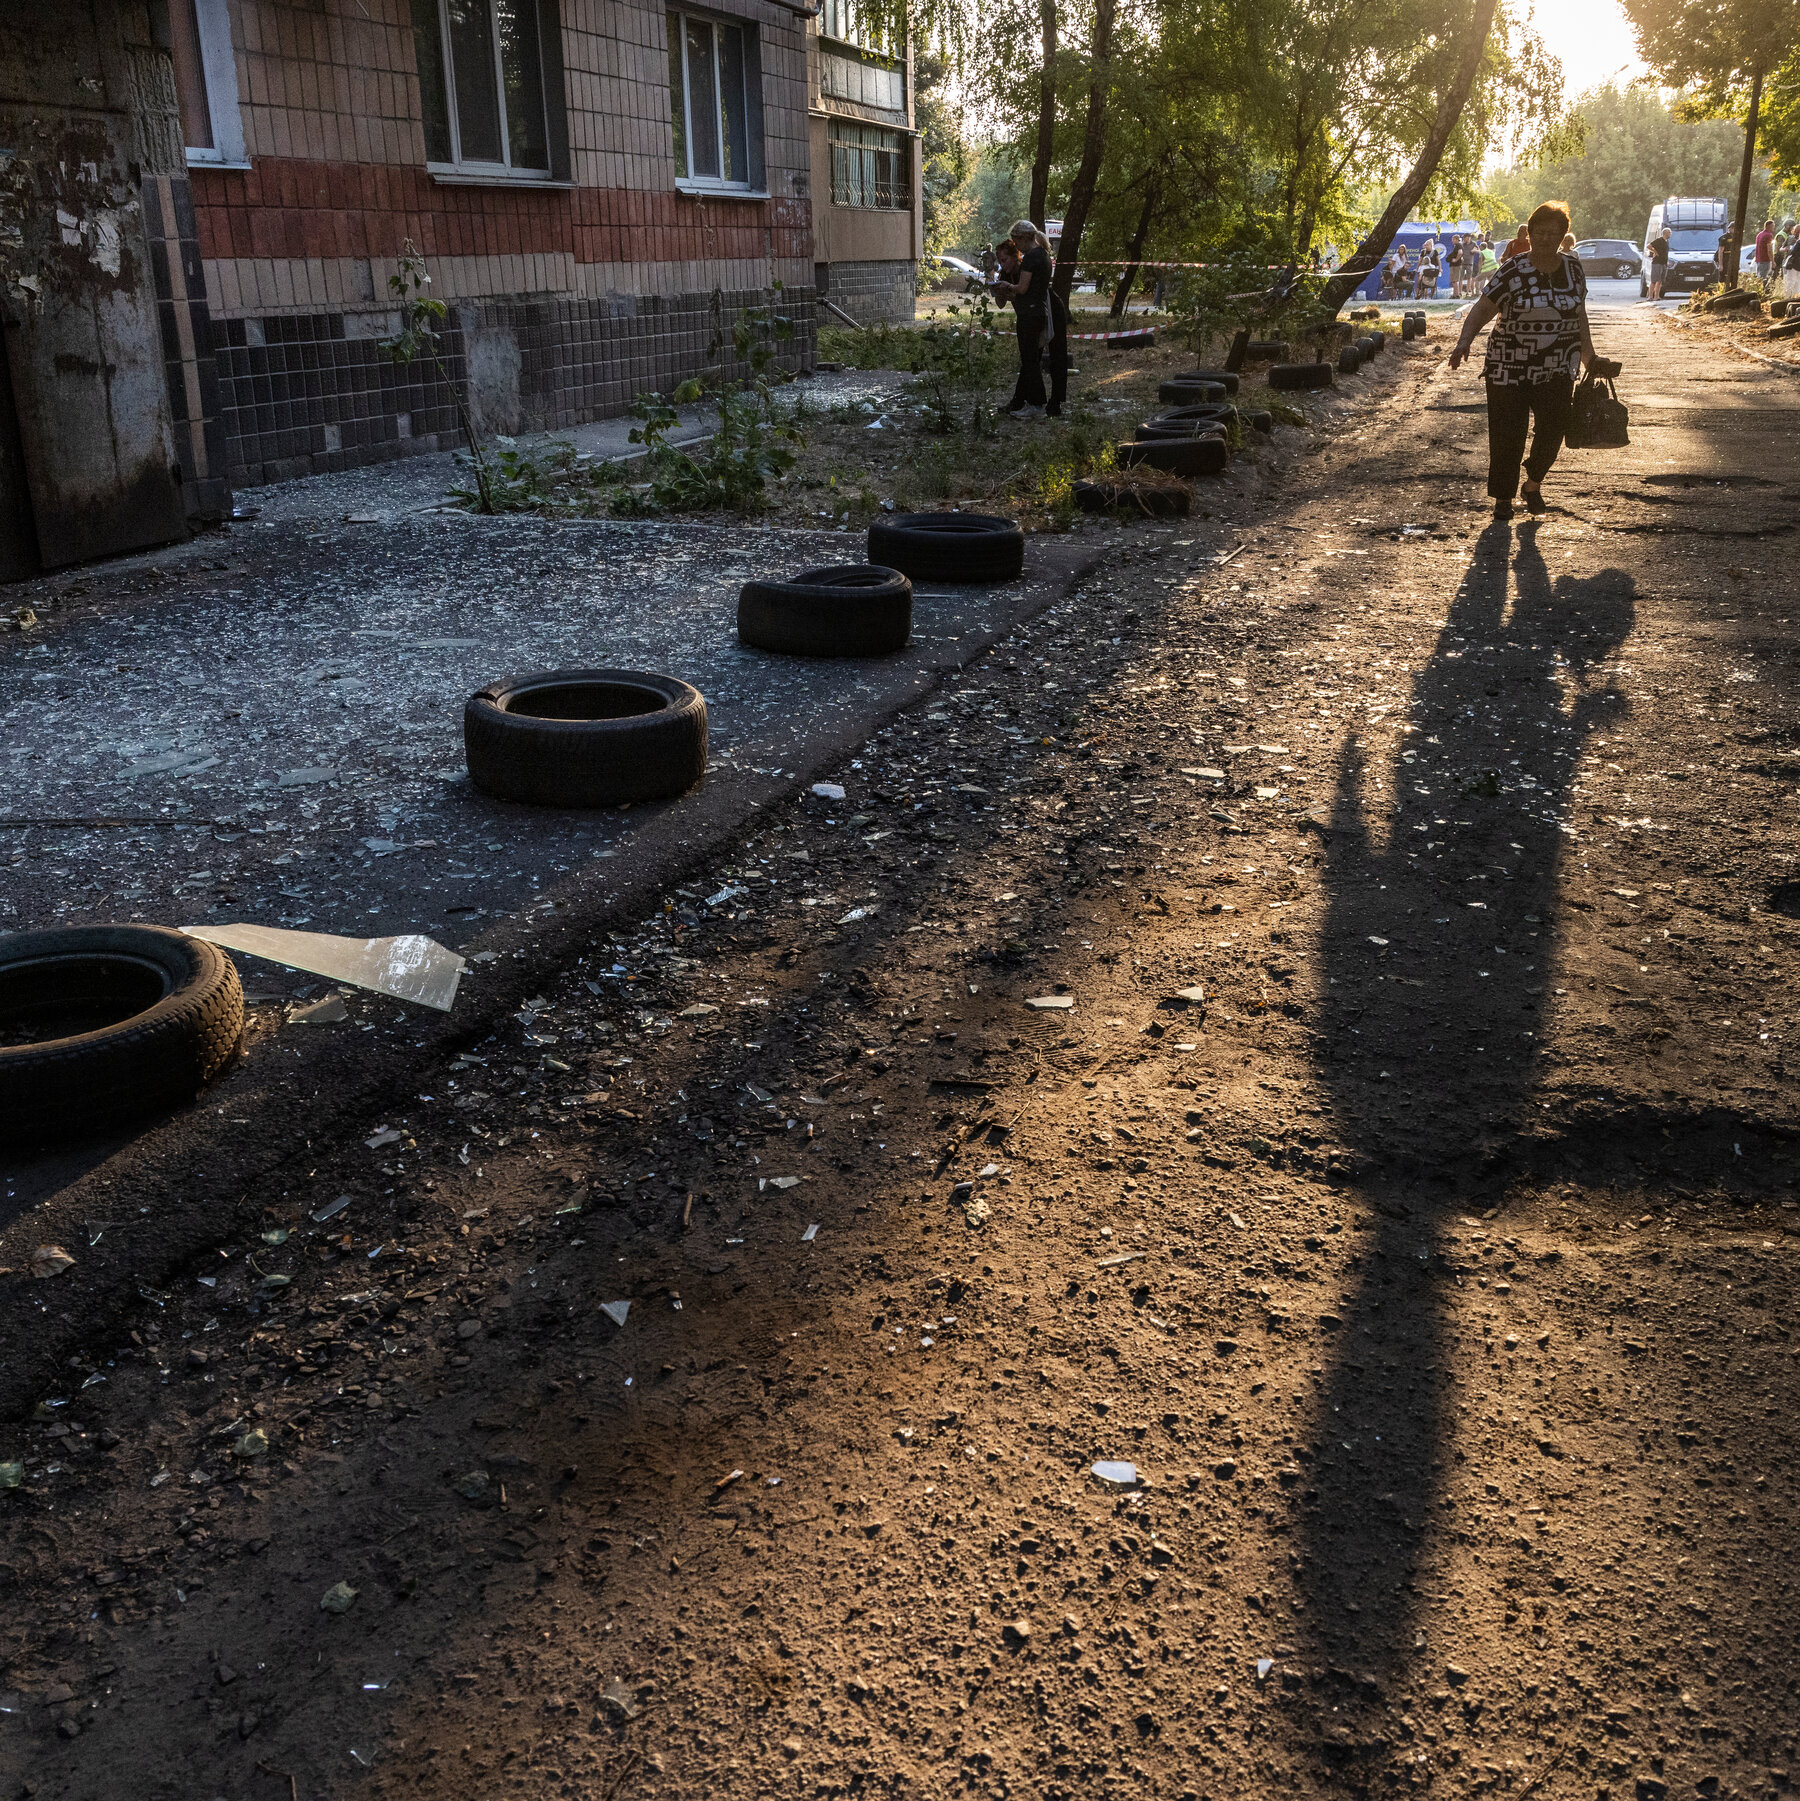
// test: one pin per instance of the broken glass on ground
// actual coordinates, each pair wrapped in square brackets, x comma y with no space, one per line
[410,968]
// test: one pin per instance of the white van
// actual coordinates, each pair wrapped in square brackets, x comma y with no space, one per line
[1695,227]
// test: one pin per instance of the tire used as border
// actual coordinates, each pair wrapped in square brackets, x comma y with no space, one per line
[575,758]
[1291,378]
[846,610]
[1186,457]
[158,1055]
[949,547]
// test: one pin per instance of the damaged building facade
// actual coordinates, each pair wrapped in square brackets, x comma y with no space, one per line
[202,202]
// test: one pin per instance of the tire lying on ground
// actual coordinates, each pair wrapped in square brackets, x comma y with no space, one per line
[585,737]
[1292,377]
[1126,497]
[1379,339]
[1267,350]
[1185,388]
[1350,359]
[1203,412]
[1188,457]
[1259,419]
[1155,431]
[1226,378]
[849,610]
[948,547]
[100,1025]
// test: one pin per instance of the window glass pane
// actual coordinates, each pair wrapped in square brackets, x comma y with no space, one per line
[703,98]
[732,128]
[677,97]
[522,70]
[434,102]
[190,76]
[477,100]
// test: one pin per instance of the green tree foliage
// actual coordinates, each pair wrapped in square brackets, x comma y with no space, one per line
[945,159]
[1723,54]
[1635,153]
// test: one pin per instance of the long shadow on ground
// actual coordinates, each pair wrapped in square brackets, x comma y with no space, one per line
[1441,972]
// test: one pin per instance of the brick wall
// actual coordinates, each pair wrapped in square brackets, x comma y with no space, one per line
[602,287]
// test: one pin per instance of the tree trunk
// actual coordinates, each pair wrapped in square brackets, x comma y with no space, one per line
[1373,248]
[1151,195]
[1093,145]
[1734,249]
[1046,132]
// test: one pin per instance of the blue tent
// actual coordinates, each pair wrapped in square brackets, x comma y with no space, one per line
[1409,238]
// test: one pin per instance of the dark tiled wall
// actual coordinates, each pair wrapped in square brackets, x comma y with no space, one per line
[872,291]
[303,395]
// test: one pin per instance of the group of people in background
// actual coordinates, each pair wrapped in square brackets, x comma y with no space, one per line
[1467,259]
[1776,255]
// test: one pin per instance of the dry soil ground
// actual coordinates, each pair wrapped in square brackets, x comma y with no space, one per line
[1435,1272]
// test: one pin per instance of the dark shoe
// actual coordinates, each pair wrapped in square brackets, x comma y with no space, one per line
[1503,509]
[1053,411]
[1534,500]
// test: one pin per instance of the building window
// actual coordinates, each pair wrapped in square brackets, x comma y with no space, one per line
[837,19]
[868,167]
[713,102]
[197,35]
[866,80]
[481,87]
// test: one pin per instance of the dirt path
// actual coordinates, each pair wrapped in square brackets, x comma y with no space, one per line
[1434,1273]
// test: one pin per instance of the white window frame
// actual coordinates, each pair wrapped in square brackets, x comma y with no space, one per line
[218,65]
[470,169]
[715,184]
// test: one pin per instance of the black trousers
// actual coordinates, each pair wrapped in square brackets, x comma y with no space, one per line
[1034,328]
[1056,362]
[1512,411]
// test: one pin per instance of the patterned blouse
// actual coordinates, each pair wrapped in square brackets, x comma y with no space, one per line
[1538,334]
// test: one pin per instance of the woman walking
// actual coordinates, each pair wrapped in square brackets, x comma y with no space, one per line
[1540,300]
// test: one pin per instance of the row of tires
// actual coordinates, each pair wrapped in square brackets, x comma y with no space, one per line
[103,1025]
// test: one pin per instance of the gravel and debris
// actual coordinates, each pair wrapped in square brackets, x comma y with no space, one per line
[1345,1347]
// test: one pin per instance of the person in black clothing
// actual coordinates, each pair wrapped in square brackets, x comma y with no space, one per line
[1028,289]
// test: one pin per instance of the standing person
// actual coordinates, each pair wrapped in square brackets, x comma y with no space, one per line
[1543,334]
[1790,272]
[1659,263]
[1519,246]
[1765,249]
[1453,261]
[1028,288]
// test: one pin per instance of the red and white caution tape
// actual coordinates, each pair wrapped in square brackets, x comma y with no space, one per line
[1145,334]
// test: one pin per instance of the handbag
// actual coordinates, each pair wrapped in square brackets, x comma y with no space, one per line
[1598,419]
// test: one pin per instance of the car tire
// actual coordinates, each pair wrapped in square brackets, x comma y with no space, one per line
[1203,412]
[1226,378]
[1158,431]
[159,1015]
[1267,350]
[585,738]
[949,547]
[1259,419]
[1379,340]
[1289,378]
[1126,497]
[1408,329]
[1350,359]
[1185,391]
[1624,272]
[1188,457]
[849,610]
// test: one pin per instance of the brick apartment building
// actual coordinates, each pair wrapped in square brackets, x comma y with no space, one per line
[201,202]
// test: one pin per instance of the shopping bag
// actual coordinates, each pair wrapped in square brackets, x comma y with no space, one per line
[1598,419]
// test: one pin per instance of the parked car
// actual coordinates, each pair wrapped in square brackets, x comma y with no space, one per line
[970,276]
[1615,259]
